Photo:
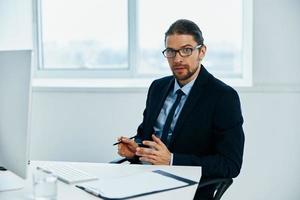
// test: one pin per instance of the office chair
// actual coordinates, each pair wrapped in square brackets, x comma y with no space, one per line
[221,184]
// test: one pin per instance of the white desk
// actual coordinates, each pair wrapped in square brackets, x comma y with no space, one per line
[104,170]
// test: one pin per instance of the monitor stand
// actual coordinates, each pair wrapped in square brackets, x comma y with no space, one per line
[10,181]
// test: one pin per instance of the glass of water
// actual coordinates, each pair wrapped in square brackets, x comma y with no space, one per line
[44,185]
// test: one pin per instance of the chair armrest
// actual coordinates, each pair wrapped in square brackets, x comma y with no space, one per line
[216,181]
[118,161]
[221,185]
[134,160]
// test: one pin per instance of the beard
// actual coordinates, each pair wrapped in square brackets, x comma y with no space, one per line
[185,76]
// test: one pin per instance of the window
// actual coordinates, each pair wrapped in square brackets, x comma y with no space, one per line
[84,34]
[119,39]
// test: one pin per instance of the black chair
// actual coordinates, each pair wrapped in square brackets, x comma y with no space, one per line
[220,184]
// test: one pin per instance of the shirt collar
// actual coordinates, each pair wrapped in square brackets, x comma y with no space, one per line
[185,89]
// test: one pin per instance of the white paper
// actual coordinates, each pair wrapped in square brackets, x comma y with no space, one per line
[133,185]
[10,181]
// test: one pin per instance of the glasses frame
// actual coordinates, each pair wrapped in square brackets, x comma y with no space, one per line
[179,51]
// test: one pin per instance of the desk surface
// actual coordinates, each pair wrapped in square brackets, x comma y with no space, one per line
[104,170]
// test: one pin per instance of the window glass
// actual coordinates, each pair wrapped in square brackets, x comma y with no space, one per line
[219,21]
[84,34]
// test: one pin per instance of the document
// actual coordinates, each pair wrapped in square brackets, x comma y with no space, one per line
[10,181]
[135,185]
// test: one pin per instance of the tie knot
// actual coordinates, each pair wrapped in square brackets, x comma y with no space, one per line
[179,93]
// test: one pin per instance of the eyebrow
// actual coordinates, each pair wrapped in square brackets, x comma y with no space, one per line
[183,46]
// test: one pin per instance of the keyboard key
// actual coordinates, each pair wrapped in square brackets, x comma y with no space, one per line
[66,173]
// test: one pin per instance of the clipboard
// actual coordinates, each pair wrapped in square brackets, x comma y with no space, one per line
[136,185]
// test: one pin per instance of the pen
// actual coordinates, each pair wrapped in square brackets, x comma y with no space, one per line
[89,190]
[44,170]
[121,141]
[2,169]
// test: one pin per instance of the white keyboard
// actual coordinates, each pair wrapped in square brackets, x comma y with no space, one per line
[66,173]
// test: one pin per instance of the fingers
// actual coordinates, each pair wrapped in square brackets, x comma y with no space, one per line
[120,152]
[156,143]
[123,139]
[151,144]
[127,140]
[153,156]
[150,159]
[140,151]
[128,147]
[125,151]
[147,155]
[157,140]
[157,153]
[122,149]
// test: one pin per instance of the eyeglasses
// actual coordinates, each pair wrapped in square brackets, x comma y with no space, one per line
[184,52]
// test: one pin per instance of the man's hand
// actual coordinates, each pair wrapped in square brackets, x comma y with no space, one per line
[156,154]
[127,147]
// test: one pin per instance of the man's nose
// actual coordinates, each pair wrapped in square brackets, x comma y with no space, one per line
[178,58]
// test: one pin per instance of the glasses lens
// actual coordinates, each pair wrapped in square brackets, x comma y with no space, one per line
[186,51]
[169,53]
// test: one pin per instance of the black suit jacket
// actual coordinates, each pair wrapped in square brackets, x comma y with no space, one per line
[208,132]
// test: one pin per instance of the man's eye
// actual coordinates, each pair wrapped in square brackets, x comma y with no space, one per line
[170,51]
[186,50]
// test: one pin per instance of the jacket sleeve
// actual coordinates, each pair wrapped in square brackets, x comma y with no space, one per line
[140,130]
[226,161]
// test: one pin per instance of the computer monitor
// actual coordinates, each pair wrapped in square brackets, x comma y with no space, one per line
[15,103]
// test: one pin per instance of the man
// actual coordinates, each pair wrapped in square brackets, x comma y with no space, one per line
[191,118]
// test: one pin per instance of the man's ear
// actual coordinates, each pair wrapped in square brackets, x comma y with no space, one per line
[202,52]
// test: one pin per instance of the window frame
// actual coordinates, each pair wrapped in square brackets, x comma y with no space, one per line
[59,76]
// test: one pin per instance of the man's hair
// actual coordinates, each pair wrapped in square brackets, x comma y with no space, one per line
[185,27]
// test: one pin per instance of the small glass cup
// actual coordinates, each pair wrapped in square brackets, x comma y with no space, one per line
[44,185]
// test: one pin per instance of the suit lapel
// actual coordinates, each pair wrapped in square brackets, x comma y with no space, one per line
[192,100]
[159,101]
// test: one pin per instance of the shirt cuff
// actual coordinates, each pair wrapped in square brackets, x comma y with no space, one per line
[171,161]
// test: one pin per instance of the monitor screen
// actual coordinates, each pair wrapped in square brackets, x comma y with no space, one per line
[15,102]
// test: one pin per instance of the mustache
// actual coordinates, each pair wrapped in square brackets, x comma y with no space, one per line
[180,65]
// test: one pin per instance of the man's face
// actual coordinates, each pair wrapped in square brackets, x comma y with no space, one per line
[184,68]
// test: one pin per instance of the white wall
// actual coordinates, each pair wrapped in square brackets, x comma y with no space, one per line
[276,42]
[81,125]
[271,158]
